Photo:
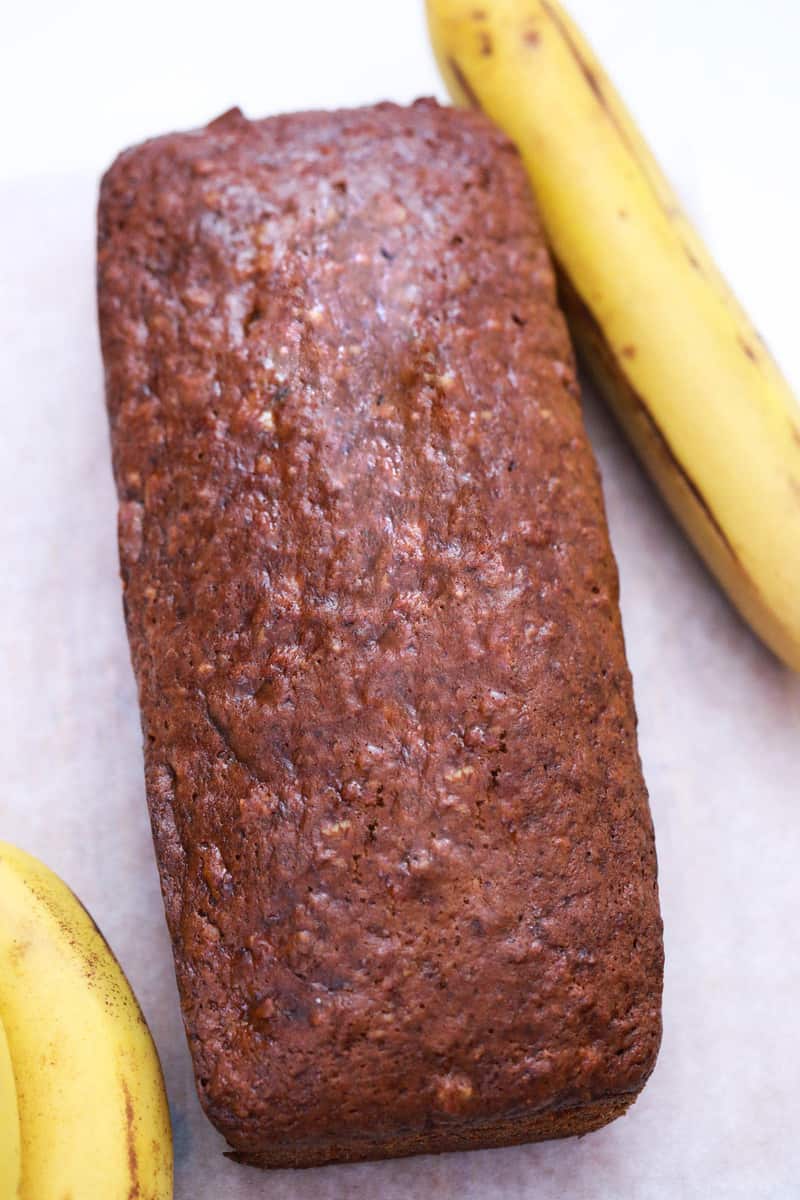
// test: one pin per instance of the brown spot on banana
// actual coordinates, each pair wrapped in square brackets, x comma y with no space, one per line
[748,349]
[19,949]
[484,44]
[694,261]
[134,1192]
[464,85]
[531,37]
[628,352]
[795,433]
[479,14]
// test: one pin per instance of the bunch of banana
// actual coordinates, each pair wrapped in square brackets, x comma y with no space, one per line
[675,355]
[83,1112]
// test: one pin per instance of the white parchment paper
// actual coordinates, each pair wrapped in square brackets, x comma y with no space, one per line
[720,740]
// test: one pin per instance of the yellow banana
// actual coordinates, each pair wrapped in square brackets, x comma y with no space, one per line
[675,355]
[9,1125]
[93,1116]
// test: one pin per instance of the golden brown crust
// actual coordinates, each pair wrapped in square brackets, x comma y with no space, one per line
[404,841]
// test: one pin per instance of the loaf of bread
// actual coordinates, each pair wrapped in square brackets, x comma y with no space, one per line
[404,841]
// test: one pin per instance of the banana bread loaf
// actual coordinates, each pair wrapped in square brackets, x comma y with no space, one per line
[404,841]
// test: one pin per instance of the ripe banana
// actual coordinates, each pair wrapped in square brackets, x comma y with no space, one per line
[9,1125]
[93,1116]
[675,355]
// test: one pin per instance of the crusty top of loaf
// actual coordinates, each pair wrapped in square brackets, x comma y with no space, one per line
[403,836]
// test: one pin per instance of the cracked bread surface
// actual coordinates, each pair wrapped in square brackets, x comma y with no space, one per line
[403,837]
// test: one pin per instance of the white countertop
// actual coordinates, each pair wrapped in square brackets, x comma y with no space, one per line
[718,93]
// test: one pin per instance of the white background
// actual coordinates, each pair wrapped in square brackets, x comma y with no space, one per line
[715,85]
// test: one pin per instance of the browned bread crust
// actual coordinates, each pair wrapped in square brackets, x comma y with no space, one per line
[404,842]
